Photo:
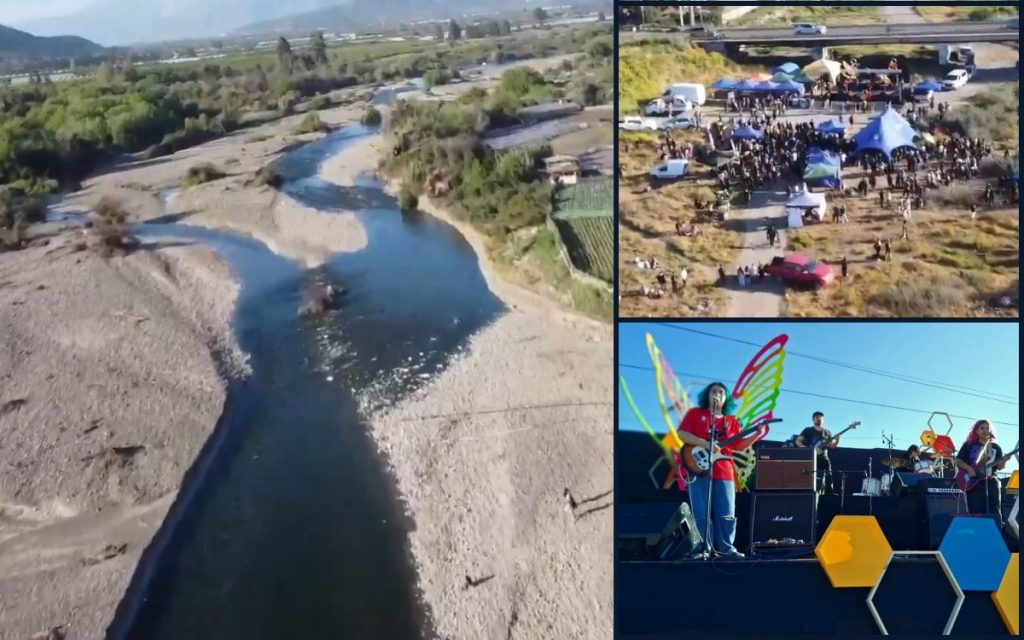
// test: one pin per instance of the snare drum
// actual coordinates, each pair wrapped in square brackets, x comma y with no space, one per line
[886,484]
[871,487]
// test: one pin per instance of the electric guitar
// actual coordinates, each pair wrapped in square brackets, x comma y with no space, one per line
[822,447]
[698,460]
[981,471]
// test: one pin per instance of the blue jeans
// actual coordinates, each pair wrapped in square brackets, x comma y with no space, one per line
[723,511]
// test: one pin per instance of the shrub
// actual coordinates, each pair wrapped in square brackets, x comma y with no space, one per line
[372,117]
[111,229]
[201,173]
[407,200]
[268,176]
[310,124]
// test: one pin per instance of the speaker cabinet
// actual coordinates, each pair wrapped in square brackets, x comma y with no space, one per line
[785,475]
[778,516]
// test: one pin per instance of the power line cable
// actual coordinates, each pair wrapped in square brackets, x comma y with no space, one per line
[830,397]
[961,389]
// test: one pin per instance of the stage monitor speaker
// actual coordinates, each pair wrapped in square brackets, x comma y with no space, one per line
[785,475]
[680,535]
[939,511]
[783,516]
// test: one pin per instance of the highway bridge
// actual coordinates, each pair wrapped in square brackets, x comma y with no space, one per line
[931,33]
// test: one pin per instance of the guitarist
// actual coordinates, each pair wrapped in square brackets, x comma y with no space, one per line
[695,430]
[980,449]
[813,436]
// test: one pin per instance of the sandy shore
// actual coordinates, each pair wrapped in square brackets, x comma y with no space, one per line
[483,454]
[113,378]
[284,225]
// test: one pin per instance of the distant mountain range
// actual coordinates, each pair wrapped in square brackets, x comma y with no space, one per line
[356,14]
[18,45]
[123,22]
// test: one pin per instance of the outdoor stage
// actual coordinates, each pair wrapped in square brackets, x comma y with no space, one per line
[675,597]
[785,597]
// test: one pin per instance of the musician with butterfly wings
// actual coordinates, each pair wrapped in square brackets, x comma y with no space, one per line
[715,405]
[978,460]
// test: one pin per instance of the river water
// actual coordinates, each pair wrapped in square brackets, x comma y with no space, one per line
[288,524]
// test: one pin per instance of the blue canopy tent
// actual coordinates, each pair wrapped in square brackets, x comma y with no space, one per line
[745,84]
[789,68]
[767,85]
[723,84]
[928,85]
[818,156]
[823,169]
[831,126]
[746,132]
[791,87]
[883,134]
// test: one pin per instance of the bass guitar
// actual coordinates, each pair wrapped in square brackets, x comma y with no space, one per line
[965,483]
[822,447]
[698,460]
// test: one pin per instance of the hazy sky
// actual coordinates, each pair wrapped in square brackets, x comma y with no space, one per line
[14,11]
[979,356]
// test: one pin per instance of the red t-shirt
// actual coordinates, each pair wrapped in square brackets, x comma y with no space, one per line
[697,421]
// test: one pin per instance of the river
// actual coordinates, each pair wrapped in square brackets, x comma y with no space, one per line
[288,525]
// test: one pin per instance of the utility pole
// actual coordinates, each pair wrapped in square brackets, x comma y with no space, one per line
[692,20]
[681,25]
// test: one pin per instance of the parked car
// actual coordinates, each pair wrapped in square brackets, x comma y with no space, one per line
[955,79]
[670,169]
[808,28]
[705,31]
[799,269]
[662,107]
[636,123]
[679,122]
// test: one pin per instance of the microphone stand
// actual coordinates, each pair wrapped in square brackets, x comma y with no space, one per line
[711,481]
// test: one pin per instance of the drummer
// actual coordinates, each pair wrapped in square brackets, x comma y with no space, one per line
[913,461]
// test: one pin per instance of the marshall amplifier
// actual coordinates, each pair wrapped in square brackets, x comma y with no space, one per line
[783,517]
[785,453]
[783,475]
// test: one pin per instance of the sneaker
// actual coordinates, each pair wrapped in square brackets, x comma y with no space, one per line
[734,555]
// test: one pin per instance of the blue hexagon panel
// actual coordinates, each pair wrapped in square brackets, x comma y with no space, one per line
[976,553]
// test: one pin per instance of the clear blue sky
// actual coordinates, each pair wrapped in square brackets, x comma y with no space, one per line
[979,356]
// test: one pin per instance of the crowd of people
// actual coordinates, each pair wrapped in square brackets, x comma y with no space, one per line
[778,153]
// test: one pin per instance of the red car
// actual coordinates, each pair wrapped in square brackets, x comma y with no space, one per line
[799,269]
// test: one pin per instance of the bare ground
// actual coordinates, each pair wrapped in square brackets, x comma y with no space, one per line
[113,377]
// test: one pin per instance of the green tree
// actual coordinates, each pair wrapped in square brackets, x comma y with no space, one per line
[600,47]
[284,55]
[105,73]
[600,16]
[539,14]
[454,30]
[438,32]
[504,28]
[319,48]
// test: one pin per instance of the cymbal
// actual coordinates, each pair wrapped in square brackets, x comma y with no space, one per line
[893,462]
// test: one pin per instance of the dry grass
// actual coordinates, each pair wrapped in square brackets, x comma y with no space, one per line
[774,16]
[943,13]
[647,229]
[949,267]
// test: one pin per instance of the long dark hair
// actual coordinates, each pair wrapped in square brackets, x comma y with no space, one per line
[729,408]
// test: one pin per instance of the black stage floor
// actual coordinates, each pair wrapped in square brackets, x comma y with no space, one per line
[689,599]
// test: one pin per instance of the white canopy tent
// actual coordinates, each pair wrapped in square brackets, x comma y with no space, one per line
[803,203]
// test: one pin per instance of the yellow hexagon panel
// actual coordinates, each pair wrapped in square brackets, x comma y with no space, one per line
[853,551]
[1014,481]
[1007,596]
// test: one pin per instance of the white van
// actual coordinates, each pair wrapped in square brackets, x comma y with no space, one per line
[673,168]
[691,91]
[661,107]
